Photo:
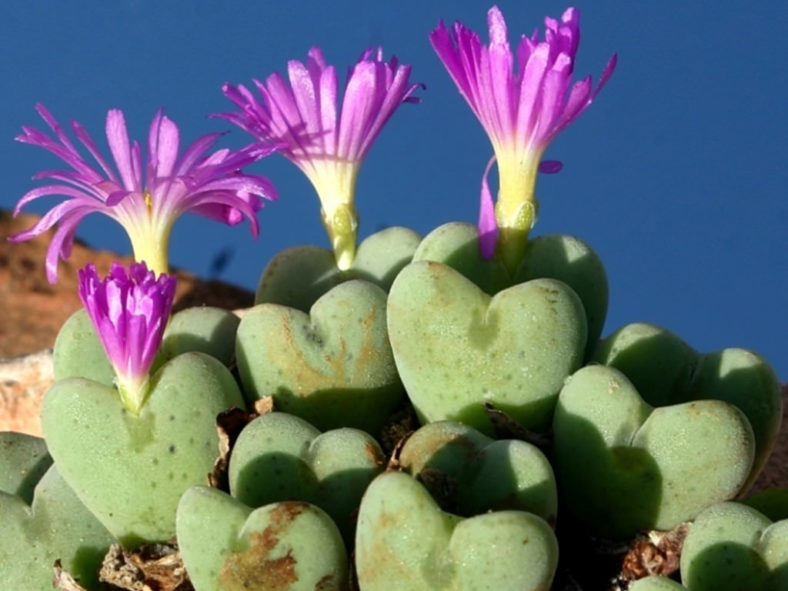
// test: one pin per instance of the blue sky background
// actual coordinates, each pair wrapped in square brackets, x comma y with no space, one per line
[676,175]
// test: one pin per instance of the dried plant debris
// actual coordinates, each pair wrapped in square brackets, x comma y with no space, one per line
[393,462]
[229,425]
[63,581]
[264,405]
[654,553]
[153,567]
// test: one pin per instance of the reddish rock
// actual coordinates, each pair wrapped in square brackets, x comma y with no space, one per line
[23,382]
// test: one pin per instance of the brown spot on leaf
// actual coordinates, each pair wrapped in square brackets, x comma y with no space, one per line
[255,567]
[374,454]
[339,364]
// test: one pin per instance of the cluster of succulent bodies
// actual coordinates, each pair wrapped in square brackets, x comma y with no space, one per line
[521,418]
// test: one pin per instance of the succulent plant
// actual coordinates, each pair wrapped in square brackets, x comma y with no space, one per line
[227,546]
[130,470]
[42,520]
[203,329]
[456,347]
[332,367]
[296,277]
[403,536]
[560,257]
[279,457]
[666,370]
[732,546]
[625,466]
[472,356]
[473,473]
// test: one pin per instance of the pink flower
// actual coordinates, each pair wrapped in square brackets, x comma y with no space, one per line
[129,312]
[147,200]
[327,145]
[522,107]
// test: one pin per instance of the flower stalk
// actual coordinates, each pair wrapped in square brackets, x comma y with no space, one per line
[523,100]
[327,141]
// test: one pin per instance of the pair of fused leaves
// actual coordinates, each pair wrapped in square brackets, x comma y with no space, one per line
[514,340]
[402,533]
[42,520]
[661,432]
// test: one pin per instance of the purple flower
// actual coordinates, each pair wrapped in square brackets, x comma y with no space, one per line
[522,107]
[145,201]
[129,312]
[326,145]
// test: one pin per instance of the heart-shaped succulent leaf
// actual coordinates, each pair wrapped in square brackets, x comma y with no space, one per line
[55,526]
[561,257]
[624,466]
[731,546]
[227,546]
[203,329]
[474,474]
[456,244]
[131,470]
[23,461]
[666,370]
[405,541]
[456,348]
[78,352]
[298,276]
[333,367]
[279,457]
[382,255]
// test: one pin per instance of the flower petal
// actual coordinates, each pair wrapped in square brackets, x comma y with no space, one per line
[147,208]
[118,139]
[488,227]
[129,311]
